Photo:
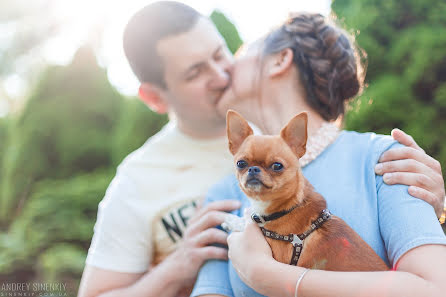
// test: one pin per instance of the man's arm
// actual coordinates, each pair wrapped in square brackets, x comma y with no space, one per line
[95,281]
[177,271]
[411,166]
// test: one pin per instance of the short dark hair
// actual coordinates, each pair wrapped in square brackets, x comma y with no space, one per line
[149,25]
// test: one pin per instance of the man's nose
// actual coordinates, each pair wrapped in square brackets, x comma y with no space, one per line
[221,75]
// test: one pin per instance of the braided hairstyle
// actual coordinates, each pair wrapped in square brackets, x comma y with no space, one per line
[329,66]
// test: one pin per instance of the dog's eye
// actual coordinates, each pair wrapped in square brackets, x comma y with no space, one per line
[242,164]
[277,166]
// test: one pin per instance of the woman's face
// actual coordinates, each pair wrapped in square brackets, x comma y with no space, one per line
[244,89]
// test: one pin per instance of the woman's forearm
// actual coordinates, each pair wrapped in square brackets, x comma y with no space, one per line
[419,272]
[281,281]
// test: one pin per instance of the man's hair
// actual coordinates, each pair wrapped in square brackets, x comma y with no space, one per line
[146,28]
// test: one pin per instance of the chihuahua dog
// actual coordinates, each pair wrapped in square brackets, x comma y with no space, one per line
[293,217]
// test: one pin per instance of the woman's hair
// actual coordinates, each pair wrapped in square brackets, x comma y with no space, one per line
[329,65]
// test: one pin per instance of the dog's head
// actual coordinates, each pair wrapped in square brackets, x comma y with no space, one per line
[267,167]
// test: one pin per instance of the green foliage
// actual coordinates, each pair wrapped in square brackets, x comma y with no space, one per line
[227,30]
[66,127]
[4,125]
[135,125]
[405,44]
[57,158]
[3,136]
[62,263]
[57,211]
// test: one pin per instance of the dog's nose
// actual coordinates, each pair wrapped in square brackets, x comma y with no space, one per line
[253,170]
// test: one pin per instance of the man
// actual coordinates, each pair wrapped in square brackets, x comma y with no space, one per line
[150,239]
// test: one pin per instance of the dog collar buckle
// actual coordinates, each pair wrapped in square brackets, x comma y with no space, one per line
[296,241]
[258,219]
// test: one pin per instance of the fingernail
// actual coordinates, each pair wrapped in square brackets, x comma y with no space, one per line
[387,177]
[378,168]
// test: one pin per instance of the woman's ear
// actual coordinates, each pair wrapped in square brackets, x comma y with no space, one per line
[280,62]
[151,96]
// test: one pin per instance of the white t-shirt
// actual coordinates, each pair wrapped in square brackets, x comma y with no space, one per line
[155,191]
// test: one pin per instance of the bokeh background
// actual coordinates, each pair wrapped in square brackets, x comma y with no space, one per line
[68,114]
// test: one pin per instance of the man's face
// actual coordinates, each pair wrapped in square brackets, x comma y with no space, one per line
[197,67]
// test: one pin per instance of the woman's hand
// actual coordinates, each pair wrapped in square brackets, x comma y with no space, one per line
[413,167]
[250,254]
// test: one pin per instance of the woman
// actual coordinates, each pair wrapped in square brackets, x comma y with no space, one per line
[307,64]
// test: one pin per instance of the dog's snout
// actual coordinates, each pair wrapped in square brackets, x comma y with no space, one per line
[253,170]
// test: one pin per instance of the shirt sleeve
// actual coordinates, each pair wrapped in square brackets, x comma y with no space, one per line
[405,222]
[121,233]
[213,277]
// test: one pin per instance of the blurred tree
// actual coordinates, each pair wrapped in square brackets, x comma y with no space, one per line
[56,222]
[405,42]
[135,125]
[66,127]
[3,143]
[227,30]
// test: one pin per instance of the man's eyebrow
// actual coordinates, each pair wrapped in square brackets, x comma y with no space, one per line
[202,63]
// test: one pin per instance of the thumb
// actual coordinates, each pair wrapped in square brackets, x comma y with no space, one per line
[404,138]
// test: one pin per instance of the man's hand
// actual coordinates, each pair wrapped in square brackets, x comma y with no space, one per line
[196,246]
[413,167]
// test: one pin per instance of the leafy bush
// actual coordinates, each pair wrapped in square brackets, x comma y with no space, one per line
[66,127]
[58,213]
[227,30]
[405,44]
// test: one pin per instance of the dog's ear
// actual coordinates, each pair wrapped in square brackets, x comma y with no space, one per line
[295,134]
[237,129]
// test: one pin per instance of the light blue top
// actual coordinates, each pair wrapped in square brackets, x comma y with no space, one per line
[390,220]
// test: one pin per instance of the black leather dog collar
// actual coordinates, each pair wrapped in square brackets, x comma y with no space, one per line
[259,219]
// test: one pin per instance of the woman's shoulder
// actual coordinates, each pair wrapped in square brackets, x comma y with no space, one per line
[371,143]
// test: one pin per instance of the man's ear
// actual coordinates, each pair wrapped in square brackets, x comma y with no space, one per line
[295,134]
[237,129]
[280,62]
[151,96]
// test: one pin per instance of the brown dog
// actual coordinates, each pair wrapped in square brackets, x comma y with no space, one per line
[292,215]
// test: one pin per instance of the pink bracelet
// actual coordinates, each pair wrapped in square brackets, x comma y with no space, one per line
[299,280]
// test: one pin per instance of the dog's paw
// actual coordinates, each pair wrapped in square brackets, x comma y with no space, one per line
[233,223]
